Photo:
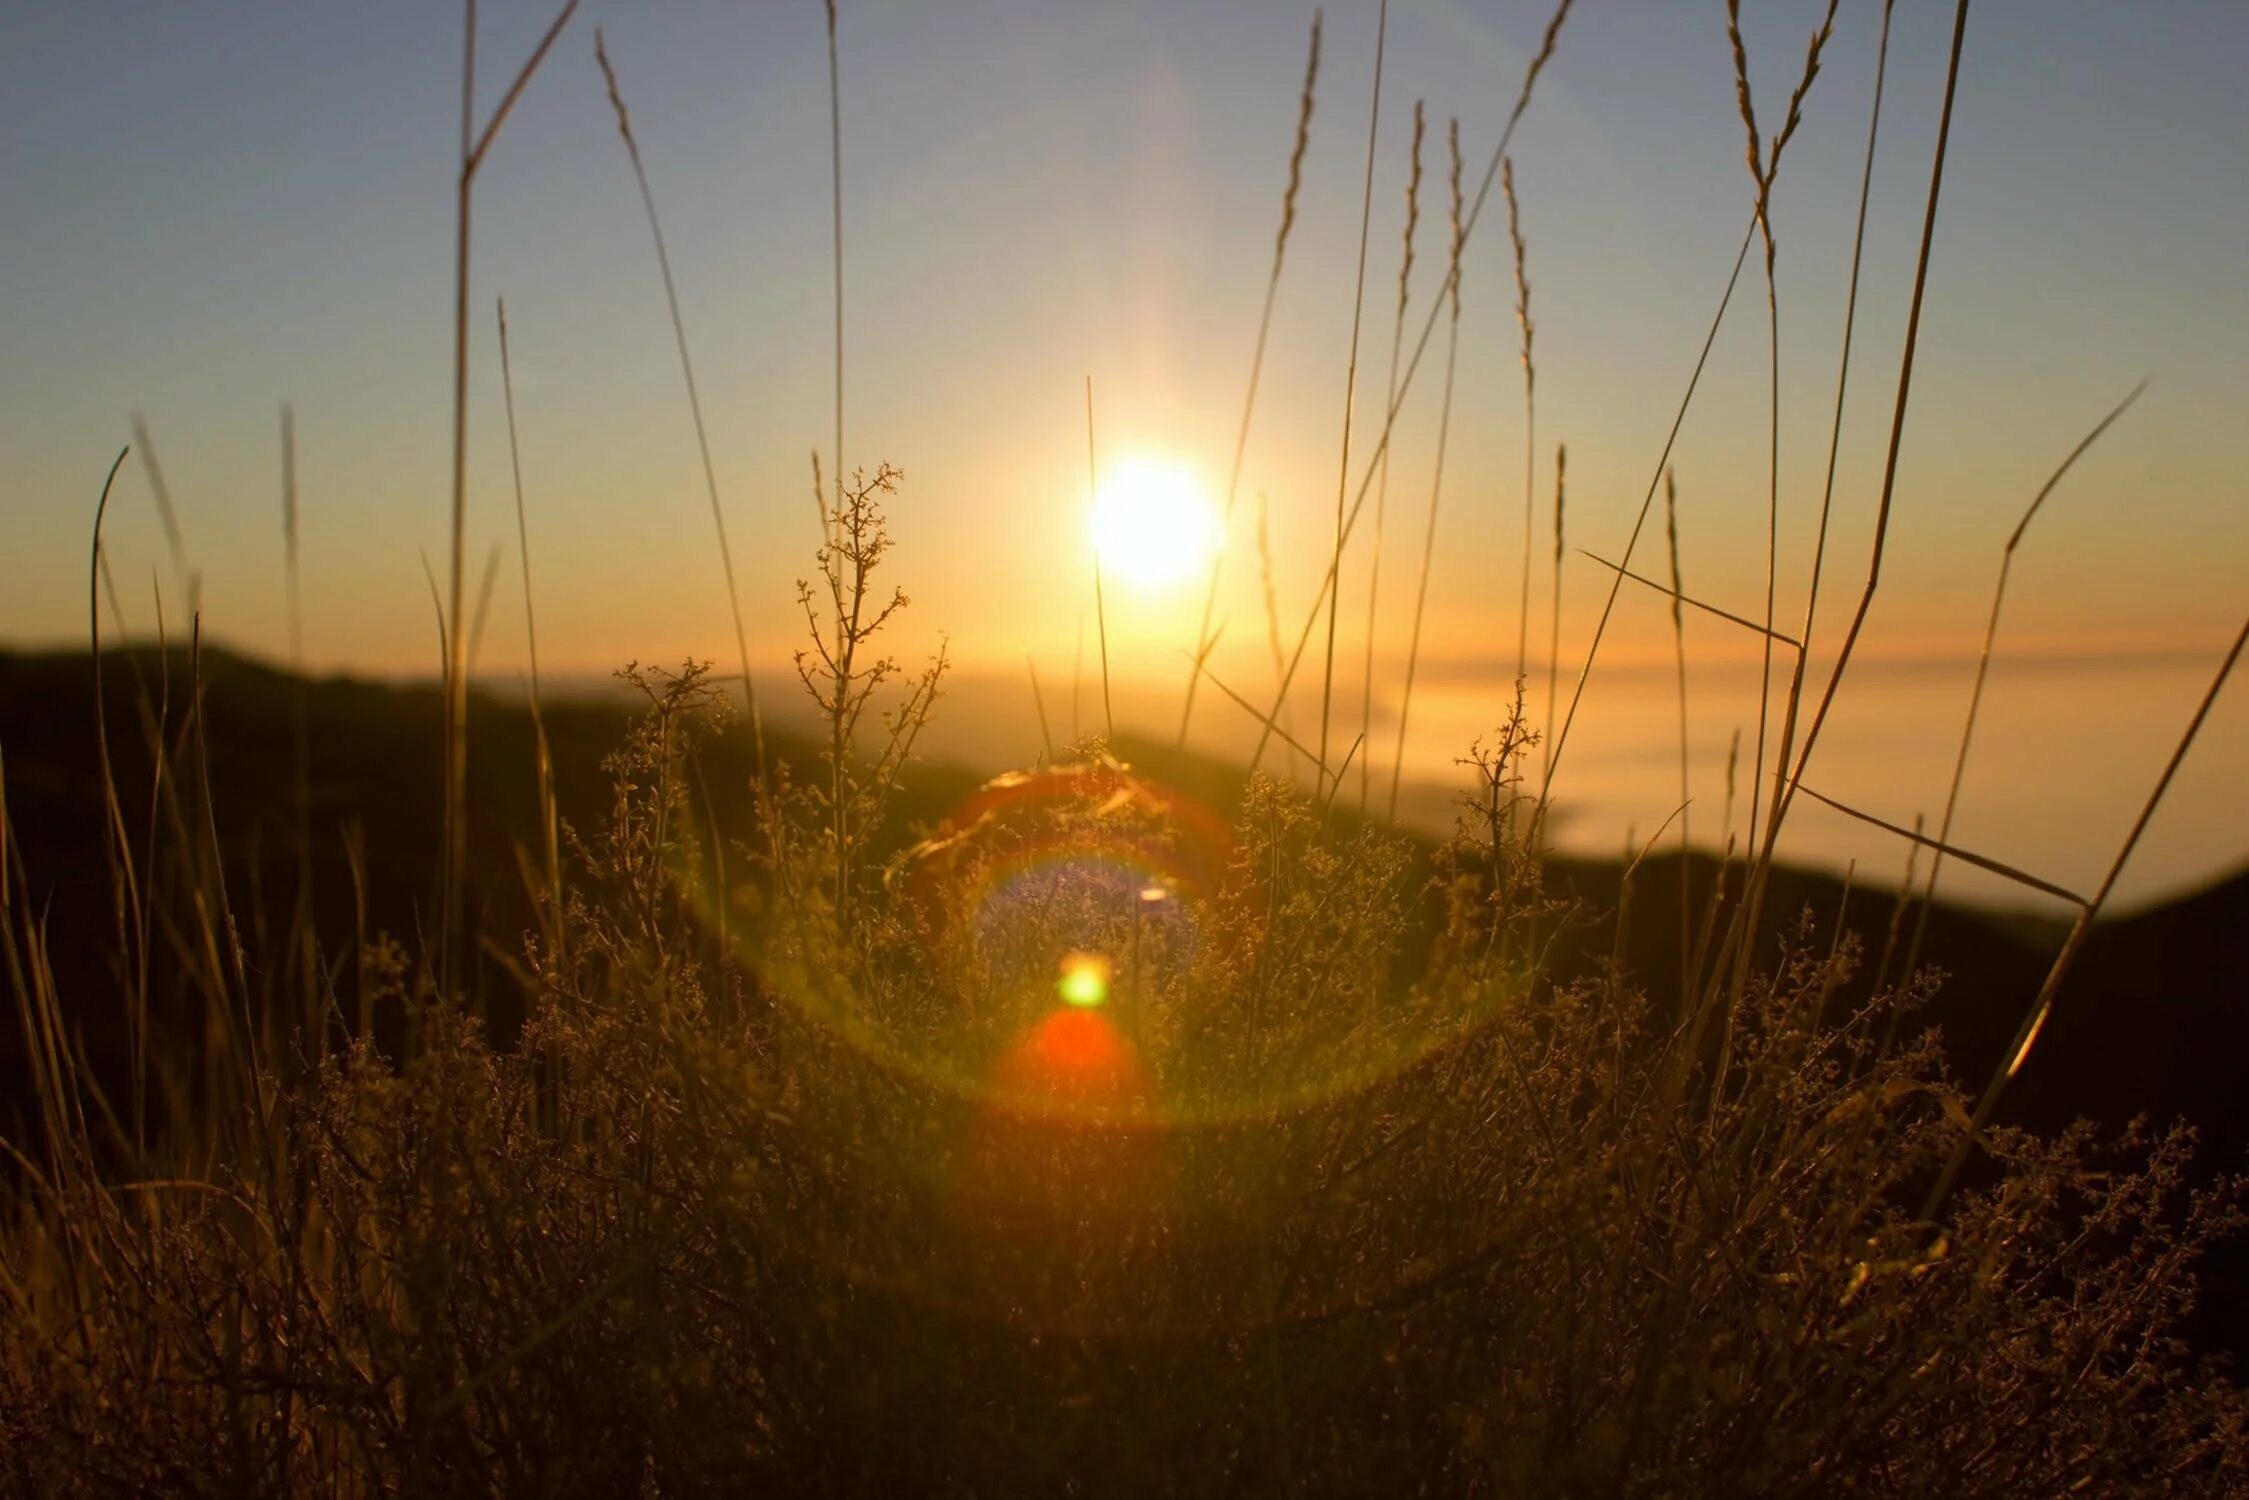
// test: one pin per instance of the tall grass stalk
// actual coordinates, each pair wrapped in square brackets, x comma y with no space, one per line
[1320,598]
[165,808]
[1351,370]
[1897,907]
[1437,475]
[1272,601]
[1635,855]
[1883,506]
[2042,1006]
[1554,623]
[1335,786]
[1382,483]
[453,866]
[1257,358]
[1741,929]
[155,722]
[304,942]
[1764,168]
[175,539]
[1915,836]
[1686,784]
[1527,329]
[218,923]
[1560,735]
[474,145]
[1795,697]
[1038,701]
[694,403]
[1983,667]
[549,819]
[47,1054]
[482,613]
[1278,730]
[363,990]
[1717,899]
[117,847]
[835,199]
[1100,606]
[1780,637]
[1696,1008]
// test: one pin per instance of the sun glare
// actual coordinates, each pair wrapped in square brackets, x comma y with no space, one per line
[1153,524]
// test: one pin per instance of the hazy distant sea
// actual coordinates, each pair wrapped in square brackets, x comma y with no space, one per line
[2064,756]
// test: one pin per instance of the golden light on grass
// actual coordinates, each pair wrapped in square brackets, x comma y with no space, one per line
[1154,523]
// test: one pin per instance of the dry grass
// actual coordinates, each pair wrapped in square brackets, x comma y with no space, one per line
[694,398]
[1437,472]
[1428,1221]
[1390,391]
[1686,783]
[1351,1177]
[1983,662]
[550,822]
[835,168]
[475,144]
[1302,143]
[1527,329]
[1334,592]
[1100,606]
[1554,623]
[1328,583]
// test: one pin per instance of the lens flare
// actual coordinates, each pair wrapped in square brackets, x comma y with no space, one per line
[1075,1058]
[1063,1186]
[1085,980]
[1076,894]
[1026,860]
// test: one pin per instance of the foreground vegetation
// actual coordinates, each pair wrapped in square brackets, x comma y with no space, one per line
[1087,1140]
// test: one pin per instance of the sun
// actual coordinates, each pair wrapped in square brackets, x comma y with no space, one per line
[1153,524]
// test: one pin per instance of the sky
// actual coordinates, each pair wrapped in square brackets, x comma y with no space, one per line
[211,210]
